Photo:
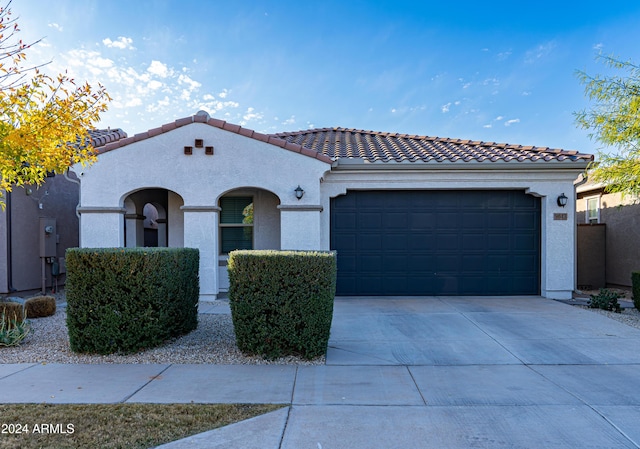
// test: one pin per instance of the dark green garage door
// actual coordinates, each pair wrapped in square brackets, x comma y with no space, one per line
[437,242]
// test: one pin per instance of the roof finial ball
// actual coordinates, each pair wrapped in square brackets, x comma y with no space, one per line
[203,113]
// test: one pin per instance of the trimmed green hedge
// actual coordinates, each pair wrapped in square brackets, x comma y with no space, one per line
[635,283]
[127,299]
[282,301]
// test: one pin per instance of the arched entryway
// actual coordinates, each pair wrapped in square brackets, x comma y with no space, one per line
[153,218]
[249,219]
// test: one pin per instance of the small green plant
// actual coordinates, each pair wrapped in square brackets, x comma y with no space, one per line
[606,300]
[13,330]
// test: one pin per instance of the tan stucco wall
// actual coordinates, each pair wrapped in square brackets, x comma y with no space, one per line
[58,197]
[621,215]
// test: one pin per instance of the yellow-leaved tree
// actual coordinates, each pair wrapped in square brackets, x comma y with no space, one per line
[45,121]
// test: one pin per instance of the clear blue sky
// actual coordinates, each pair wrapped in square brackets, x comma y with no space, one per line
[493,71]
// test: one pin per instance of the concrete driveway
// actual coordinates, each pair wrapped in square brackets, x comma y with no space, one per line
[458,372]
[437,372]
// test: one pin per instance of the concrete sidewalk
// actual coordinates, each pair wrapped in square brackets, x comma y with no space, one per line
[444,372]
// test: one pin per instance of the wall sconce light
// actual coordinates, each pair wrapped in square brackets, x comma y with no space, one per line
[562,200]
[299,192]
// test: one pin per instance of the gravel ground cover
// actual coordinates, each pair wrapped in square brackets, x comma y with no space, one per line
[212,342]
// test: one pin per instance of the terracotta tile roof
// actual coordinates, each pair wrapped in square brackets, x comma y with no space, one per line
[203,117]
[370,146]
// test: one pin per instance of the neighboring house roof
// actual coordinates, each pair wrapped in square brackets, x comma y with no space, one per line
[371,146]
[352,145]
[101,137]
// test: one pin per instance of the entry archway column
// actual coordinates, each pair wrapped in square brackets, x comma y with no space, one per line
[101,227]
[201,232]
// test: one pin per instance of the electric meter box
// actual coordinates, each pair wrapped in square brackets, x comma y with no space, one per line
[48,237]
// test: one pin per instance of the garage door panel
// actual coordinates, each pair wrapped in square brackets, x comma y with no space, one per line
[396,263]
[498,241]
[345,242]
[420,221]
[368,241]
[345,221]
[348,263]
[422,241]
[524,242]
[473,242]
[497,262]
[524,221]
[436,242]
[370,220]
[395,220]
[499,220]
[473,220]
[522,263]
[447,220]
[370,263]
[447,263]
[473,264]
[496,202]
[395,242]
[447,242]
[371,285]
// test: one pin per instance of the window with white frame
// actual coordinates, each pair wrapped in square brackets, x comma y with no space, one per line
[593,209]
[236,223]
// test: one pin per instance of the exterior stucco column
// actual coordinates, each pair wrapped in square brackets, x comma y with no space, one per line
[300,227]
[134,230]
[101,227]
[201,232]
[558,249]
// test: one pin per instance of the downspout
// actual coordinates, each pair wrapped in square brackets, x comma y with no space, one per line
[10,287]
[76,181]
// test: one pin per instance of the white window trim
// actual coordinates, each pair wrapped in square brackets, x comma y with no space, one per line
[237,225]
[586,212]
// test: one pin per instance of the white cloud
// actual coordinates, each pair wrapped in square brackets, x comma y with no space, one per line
[82,58]
[599,46]
[488,126]
[393,110]
[526,93]
[154,84]
[290,121]
[191,84]
[208,97]
[223,94]
[55,26]
[251,115]
[123,43]
[511,122]
[499,118]
[445,108]
[133,102]
[539,52]
[159,69]
[159,105]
